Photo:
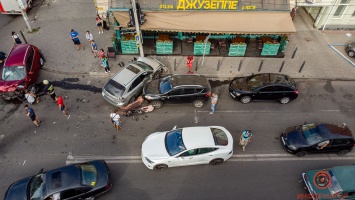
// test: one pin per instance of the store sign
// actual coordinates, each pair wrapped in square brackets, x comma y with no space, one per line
[205,5]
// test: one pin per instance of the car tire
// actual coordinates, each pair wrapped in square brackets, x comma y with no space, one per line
[160,167]
[157,104]
[301,154]
[285,100]
[245,99]
[351,53]
[216,161]
[198,103]
[343,152]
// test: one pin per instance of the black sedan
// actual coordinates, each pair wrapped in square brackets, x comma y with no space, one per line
[267,86]
[77,181]
[318,138]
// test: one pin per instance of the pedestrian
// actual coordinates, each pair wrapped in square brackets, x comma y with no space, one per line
[89,37]
[116,119]
[245,138]
[99,24]
[49,89]
[31,113]
[214,99]
[101,53]
[104,63]
[75,37]
[31,97]
[61,105]
[94,48]
[16,38]
[104,22]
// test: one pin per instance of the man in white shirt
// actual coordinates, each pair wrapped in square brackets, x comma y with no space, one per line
[31,98]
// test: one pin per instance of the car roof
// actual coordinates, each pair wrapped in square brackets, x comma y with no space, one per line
[69,177]
[195,137]
[333,131]
[17,56]
[273,78]
[126,75]
[179,80]
[345,176]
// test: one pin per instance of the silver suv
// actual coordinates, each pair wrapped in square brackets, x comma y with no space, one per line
[127,84]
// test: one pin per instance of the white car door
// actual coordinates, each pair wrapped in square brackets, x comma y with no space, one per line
[187,157]
[205,155]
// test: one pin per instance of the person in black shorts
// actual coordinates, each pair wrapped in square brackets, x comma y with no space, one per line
[31,113]
[74,35]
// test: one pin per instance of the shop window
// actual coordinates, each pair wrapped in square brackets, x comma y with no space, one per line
[341,8]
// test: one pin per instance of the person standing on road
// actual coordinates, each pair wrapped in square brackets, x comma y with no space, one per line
[49,89]
[94,48]
[16,38]
[101,53]
[75,37]
[116,119]
[214,99]
[31,113]
[61,105]
[99,24]
[104,63]
[31,97]
[245,138]
[89,37]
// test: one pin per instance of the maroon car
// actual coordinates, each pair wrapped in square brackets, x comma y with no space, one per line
[20,71]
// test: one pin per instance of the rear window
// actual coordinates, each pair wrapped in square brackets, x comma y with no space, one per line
[114,88]
[88,175]
[133,69]
[144,66]
[219,136]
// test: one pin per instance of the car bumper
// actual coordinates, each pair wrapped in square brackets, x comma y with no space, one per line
[284,146]
[112,101]
[146,163]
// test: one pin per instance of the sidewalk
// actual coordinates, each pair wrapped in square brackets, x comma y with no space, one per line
[57,18]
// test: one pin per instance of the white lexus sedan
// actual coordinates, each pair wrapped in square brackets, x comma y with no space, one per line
[187,146]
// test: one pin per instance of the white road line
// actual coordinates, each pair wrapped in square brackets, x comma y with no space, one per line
[262,111]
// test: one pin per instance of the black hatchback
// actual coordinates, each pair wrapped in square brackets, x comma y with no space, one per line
[177,89]
[267,86]
[318,138]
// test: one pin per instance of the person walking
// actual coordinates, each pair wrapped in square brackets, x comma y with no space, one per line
[99,24]
[49,89]
[16,38]
[214,99]
[104,63]
[31,97]
[31,113]
[94,48]
[116,119]
[60,103]
[75,37]
[89,37]
[245,138]
[101,53]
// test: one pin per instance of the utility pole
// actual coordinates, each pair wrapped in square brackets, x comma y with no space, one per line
[138,35]
[24,14]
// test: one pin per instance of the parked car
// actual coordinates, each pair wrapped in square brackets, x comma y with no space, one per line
[187,146]
[318,138]
[20,70]
[77,181]
[267,86]
[125,86]
[350,49]
[176,89]
[331,183]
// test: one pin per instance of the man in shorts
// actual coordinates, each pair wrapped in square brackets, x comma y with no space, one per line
[245,138]
[74,35]
[61,105]
[116,119]
[31,113]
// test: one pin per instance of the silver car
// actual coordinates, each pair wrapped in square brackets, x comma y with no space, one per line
[350,49]
[127,84]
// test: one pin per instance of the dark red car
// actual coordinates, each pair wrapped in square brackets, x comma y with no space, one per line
[20,70]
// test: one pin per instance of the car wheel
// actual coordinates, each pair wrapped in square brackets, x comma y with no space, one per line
[301,154]
[285,100]
[245,99]
[160,167]
[157,104]
[343,152]
[351,53]
[198,103]
[216,161]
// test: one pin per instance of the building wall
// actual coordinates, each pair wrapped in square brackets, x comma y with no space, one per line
[101,6]
[332,18]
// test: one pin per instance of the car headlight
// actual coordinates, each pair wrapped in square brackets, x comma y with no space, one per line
[292,147]
[238,94]
[148,97]
[148,160]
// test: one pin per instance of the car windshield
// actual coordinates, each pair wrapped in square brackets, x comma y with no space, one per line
[13,73]
[88,175]
[219,136]
[258,81]
[165,85]
[144,66]
[114,88]
[174,143]
[311,134]
[37,188]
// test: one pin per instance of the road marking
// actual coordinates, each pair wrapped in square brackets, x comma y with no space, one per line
[262,111]
[235,158]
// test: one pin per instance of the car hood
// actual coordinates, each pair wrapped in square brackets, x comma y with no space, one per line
[151,87]
[18,190]
[295,138]
[155,64]
[154,146]
[9,86]
[240,84]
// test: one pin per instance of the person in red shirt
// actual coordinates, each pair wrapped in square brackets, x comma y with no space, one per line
[61,105]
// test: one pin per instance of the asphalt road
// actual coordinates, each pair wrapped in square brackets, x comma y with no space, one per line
[25,149]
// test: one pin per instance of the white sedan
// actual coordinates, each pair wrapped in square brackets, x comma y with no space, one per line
[187,146]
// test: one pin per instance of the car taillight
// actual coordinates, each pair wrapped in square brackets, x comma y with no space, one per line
[296,91]
[208,94]
[108,184]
